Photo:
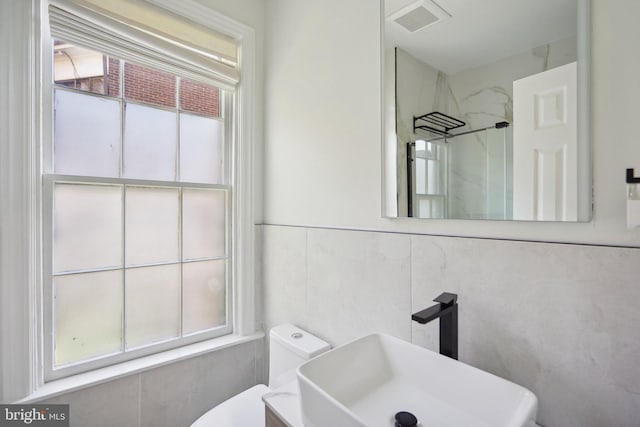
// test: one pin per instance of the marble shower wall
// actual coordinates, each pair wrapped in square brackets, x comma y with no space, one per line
[560,319]
[420,89]
[480,96]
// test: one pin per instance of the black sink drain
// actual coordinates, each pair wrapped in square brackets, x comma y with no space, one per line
[406,419]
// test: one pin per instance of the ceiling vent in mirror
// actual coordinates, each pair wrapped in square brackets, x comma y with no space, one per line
[418,15]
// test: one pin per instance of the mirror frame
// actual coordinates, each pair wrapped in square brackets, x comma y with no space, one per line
[389,136]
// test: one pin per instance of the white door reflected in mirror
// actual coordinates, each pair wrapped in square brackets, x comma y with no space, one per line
[545,183]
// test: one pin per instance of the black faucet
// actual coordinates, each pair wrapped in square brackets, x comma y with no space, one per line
[447,311]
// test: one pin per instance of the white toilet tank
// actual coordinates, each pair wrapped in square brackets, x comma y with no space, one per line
[290,346]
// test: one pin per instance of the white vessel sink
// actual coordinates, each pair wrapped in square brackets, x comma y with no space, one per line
[366,382]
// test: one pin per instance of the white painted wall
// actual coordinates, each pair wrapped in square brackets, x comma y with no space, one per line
[323,131]
[323,112]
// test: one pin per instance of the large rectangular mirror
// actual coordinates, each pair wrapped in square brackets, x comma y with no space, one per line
[486,109]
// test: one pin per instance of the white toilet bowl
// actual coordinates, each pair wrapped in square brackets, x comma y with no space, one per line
[290,346]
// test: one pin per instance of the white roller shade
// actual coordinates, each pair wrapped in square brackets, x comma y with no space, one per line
[142,33]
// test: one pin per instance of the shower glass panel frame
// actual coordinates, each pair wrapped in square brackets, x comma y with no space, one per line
[462,176]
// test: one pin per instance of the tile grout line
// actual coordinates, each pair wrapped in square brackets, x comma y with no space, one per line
[455,236]
[256,380]
[140,400]
[410,286]
[306,274]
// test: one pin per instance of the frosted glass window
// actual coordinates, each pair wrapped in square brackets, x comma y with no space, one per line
[431,207]
[203,223]
[204,295]
[86,135]
[424,208]
[87,227]
[152,304]
[137,199]
[433,182]
[150,143]
[200,149]
[88,315]
[152,225]
[421,149]
[421,176]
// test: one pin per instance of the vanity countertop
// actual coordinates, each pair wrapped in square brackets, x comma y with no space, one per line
[284,401]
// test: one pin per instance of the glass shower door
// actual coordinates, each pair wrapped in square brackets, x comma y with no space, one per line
[479,175]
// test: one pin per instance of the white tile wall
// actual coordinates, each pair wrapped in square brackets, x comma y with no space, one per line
[177,394]
[560,319]
[329,281]
[174,395]
[357,284]
[110,404]
[285,272]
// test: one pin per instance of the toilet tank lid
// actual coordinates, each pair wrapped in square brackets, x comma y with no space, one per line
[298,340]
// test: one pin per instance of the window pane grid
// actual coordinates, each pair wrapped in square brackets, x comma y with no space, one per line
[155,195]
[99,333]
[133,182]
[196,162]
[198,107]
[205,288]
[62,88]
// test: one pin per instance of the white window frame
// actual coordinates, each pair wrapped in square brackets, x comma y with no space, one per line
[21,286]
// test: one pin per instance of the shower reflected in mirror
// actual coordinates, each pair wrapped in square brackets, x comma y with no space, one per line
[486,110]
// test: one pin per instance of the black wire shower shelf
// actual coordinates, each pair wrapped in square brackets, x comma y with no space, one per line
[436,122]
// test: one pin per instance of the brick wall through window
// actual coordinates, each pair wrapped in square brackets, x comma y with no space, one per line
[89,71]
